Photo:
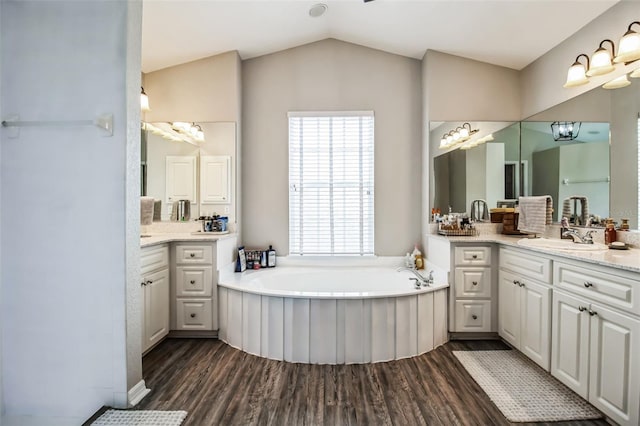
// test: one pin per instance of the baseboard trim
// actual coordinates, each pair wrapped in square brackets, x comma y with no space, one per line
[137,392]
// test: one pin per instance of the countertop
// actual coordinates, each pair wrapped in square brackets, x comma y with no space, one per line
[622,259]
[161,238]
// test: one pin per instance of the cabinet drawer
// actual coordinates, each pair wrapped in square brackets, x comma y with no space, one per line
[526,264]
[193,253]
[194,314]
[471,281]
[194,281]
[472,255]
[153,258]
[473,315]
[604,285]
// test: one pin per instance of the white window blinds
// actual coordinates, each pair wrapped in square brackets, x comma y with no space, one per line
[331,183]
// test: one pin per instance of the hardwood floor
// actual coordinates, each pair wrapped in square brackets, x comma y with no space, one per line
[219,385]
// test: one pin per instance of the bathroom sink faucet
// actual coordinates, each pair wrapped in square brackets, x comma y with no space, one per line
[424,281]
[587,238]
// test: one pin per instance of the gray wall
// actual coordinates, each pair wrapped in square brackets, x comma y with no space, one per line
[64,263]
[332,75]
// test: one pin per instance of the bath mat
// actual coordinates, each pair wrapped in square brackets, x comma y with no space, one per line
[521,390]
[140,418]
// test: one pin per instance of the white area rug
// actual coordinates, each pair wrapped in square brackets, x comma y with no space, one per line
[522,390]
[140,418]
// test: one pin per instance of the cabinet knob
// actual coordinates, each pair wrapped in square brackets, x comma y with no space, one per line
[587,284]
[475,283]
[582,308]
[521,284]
[192,255]
[192,315]
[149,282]
[592,313]
[143,283]
[475,256]
[516,282]
[192,282]
[474,316]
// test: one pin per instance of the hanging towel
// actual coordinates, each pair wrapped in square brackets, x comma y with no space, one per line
[146,210]
[157,210]
[575,217]
[479,210]
[534,213]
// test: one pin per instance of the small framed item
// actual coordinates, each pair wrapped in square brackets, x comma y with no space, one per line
[241,261]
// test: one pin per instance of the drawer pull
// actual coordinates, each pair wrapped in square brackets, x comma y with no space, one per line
[192,255]
[587,284]
[192,315]
[475,256]
[521,284]
[582,308]
[475,283]
[149,282]
[516,282]
[592,313]
[143,283]
[474,316]
[192,282]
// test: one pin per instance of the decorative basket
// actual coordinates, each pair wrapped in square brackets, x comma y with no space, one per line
[470,232]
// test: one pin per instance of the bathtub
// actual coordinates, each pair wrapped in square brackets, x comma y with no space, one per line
[331,315]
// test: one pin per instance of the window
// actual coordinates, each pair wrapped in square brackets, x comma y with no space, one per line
[331,183]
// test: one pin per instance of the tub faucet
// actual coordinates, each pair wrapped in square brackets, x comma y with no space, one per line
[587,238]
[424,281]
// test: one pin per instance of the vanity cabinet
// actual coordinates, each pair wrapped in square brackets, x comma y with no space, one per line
[596,340]
[154,285]
[472,309]
[524,299]
[194,288]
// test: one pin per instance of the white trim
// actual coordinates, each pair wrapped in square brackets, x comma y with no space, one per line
[330,114]
[137,392]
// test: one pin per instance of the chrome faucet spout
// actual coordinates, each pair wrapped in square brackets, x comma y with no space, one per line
[587,238]
[424,281]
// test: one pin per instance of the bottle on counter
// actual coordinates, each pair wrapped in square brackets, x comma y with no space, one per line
[610,232]
[271,257]
[417,254]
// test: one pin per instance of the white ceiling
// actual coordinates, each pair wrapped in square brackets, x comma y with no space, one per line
[511,33]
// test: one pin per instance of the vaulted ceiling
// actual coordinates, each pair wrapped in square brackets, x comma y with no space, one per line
[510,33]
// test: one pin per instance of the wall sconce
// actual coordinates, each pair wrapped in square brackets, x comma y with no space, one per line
[565,130]
[629,46]
[577,74]
[457,136]
[617,83]
[601,60]
[144,100]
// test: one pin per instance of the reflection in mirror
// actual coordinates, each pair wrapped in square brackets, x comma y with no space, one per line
[574,172]
[486,172]
[179,165]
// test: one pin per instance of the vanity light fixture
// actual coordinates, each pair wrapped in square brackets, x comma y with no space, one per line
[565,130]
[635,73]
[457,136]
[629,46]
[144,100]
[577,74]
[617,83]
[601,60]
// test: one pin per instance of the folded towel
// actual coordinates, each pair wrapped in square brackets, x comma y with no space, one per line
[157,210]
[571,211]
[146,210]
[534,213]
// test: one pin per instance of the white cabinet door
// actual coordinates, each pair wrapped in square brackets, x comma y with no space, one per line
[180,178]
[509,308]
[570,342]
[156,307]
[215,179]
[535,323]
[614,380]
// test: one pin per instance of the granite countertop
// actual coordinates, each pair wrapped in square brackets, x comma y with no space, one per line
[161,238]
[622,259]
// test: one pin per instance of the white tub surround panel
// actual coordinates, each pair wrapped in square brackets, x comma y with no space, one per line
[332,331]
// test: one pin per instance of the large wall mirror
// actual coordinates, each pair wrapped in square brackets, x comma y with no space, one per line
[176,165]
[599,165]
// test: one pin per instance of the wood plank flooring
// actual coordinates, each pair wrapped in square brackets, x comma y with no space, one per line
[219,385]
